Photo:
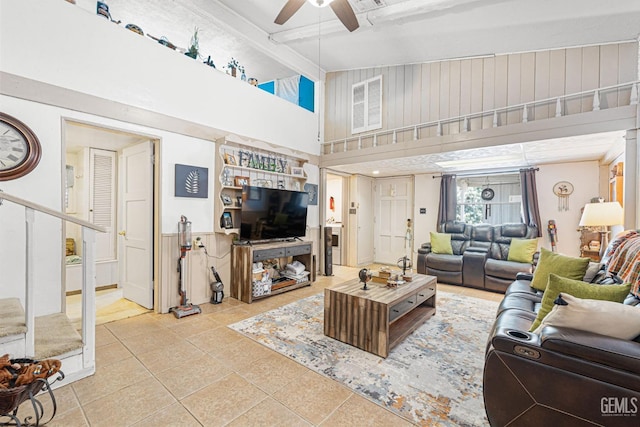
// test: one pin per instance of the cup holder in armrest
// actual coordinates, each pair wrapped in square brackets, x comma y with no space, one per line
[518,334]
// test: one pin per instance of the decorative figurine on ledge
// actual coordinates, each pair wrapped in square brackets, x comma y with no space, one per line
[365,276]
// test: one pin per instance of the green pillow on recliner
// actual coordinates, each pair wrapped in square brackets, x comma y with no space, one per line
[562,265]
[522,250]
[441,243]
[579,289]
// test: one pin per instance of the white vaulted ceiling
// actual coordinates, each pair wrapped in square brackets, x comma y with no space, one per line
[313,42]
[399,32]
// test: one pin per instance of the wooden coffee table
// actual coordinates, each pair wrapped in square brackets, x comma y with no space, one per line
[379,318]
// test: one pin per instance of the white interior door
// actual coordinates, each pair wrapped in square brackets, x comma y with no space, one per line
[364,208]
[136,233]
[393,206]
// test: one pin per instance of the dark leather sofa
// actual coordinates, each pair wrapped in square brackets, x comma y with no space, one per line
[561,376]
[479,257]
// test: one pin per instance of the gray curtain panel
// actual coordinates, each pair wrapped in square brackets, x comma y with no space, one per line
[447,206]
[530,210]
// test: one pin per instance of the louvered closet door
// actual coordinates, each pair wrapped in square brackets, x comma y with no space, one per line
[102,201]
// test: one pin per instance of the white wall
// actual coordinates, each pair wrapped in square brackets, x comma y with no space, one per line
[583,175]
[313,211]
[63,45]
[185,150]
[44,186]
[427,195]
[334,189]
[585,179]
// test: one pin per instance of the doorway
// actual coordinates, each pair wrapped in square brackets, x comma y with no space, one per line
[393,207]
[334,204]
[109,181]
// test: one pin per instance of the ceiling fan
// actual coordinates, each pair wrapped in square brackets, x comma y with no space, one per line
[341,8]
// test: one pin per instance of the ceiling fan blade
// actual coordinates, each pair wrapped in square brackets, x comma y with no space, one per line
[345,13]
[288,10]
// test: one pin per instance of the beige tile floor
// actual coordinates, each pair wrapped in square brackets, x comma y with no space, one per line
[156,370]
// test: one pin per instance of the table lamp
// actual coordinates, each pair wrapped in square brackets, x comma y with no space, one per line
[602,215]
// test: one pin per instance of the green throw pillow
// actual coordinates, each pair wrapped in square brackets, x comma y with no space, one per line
[579,289]
[522,250]
[441,243]
[562,265]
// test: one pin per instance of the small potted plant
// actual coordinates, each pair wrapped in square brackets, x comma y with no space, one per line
[195,45]
[232,66]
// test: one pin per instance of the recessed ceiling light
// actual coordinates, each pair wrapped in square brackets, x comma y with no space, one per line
[376,172]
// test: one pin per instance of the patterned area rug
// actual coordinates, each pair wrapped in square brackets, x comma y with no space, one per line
[432,378]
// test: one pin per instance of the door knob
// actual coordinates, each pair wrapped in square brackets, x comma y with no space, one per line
[122,233]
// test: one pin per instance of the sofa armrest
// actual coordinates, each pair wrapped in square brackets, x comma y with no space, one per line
[421,264]
[524,276]
[476,249]
[609,351]
[473,260]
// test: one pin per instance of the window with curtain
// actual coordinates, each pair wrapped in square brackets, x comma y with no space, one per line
[489,199]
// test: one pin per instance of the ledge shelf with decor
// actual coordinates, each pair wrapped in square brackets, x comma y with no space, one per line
[238,166]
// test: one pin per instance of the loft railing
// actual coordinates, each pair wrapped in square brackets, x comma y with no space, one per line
[342,145]
[88,277]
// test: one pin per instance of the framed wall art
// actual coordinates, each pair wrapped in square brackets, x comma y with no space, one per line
[226,221]
[296,171]
[239,181]
[191,181]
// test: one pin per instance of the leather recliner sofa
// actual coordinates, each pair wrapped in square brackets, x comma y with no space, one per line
[480,255]
[561,376]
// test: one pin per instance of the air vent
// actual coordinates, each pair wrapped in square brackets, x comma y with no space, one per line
[361,6]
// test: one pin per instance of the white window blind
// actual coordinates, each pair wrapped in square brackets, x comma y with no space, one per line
[366,106]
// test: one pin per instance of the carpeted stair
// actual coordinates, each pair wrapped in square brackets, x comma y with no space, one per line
[54,333]
[11,317]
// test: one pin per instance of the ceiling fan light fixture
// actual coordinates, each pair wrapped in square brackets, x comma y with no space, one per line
[320,3]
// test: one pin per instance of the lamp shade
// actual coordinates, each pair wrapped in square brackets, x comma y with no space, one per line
[601,214]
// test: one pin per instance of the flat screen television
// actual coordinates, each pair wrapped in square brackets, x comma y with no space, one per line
[270,213]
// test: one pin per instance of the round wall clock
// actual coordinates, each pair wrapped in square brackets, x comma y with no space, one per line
[20,149]
[487,194]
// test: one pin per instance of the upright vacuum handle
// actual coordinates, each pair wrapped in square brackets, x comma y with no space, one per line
[215,274]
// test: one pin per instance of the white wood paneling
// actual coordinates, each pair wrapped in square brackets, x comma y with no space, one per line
[513,87]
[420,93]
[541,90]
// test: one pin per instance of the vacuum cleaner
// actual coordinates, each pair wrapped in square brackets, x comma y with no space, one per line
[184,241]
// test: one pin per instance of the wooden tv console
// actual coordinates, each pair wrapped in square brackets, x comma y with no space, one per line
[244,255]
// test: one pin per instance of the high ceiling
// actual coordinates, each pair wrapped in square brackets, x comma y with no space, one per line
[392,32]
